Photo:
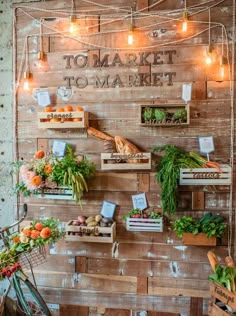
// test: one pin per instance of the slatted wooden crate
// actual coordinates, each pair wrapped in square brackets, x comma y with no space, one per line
[200,239]
[118,161]
[145,224]
[206,176]
[60,193]
[66,119]
[170,109]
[90,234]
[220,293]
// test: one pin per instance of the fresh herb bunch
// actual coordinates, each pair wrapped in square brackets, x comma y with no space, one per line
[168,174]
[186,224]
[211,225]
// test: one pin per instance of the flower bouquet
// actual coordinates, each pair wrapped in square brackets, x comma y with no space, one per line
[38,233]
[48,171]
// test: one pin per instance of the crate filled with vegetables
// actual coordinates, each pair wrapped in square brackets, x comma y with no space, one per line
[168,173]
[148,221]
[164,114]
[91,229]
[222,286]
[200,232]
[63,117]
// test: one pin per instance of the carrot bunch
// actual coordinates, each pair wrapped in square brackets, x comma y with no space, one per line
[204,163]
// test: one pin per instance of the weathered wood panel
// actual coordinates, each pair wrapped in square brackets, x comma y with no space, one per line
[139,271]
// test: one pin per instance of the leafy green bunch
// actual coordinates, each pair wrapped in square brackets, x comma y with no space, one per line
[225,276]
[168,173]
[211,225]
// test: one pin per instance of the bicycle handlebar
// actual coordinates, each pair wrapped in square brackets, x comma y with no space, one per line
[18,222]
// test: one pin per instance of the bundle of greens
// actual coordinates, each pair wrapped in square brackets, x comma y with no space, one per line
[168,173]
[211,225]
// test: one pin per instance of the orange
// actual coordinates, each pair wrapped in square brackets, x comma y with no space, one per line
[48,109]
[68,108]
[55,120]
[60,110]
[79,108]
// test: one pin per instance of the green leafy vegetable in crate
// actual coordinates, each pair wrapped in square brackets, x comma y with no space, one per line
[159,115]
[211,225]
[180,116]
[147,114]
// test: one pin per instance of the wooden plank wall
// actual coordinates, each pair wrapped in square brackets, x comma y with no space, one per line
[140,271]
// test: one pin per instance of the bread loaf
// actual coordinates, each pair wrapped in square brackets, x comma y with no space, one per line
[98,134]
[213,260]
[230,262]
[123,146]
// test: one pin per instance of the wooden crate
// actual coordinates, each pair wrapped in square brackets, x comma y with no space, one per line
[170,109]
[66,119]
[221,294]
[198,240]
[85,231]
[206,176]
[145,224]
[215,310]
[60,193]
[118,161]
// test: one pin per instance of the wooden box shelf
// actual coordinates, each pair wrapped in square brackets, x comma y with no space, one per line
[220,293]
[75,119]
[200,239]
[144,224]
[90,234]
[170,110]
[117,161]
[59,193]
[206,176]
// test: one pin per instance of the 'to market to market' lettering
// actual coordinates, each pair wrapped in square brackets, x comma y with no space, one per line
[140,79]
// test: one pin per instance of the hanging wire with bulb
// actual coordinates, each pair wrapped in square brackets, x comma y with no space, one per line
[185,18]
[27,74]
[209,57]
[131,29]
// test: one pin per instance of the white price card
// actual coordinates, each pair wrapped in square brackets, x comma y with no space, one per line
[187,92]
[108,209]
[58,148]
[139,201]
[206,144]
[43,98]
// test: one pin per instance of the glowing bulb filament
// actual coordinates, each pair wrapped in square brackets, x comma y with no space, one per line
[222,71]
[130,38]
[184,26]
[208,60]
[72,27]
[26,85]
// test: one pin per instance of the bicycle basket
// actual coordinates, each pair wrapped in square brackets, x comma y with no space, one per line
[33,258]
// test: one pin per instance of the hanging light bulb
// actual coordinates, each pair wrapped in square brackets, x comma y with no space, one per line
[26,84]
[222,66]
[185,21]
[131,35]
[72,27]
[209,56]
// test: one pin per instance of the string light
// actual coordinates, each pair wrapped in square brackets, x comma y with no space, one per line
[185,18]
[72,27]
[26,75]
[223,60]
[209,55]
[131,30]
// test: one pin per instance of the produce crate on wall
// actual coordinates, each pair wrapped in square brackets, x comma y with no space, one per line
[223,301]
[170,118]
[90,233]
[144,224]
[206,176]
[200,239]
[118,161]
[63,119]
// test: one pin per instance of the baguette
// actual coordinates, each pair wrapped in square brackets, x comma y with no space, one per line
[123,146]
[213,260]
[98,134]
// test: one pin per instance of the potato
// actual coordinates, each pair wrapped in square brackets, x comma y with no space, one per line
[90,219]
[92,224]
[98,218]
[81,219]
